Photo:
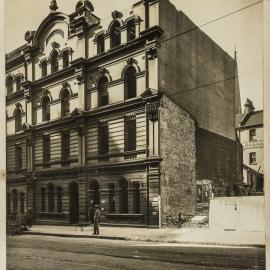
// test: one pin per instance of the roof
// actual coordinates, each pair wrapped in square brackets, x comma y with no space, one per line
[249,120]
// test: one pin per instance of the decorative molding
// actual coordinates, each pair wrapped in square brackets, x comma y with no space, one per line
[117,14]
[152,112]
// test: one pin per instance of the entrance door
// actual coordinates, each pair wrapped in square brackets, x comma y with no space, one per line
[73,203]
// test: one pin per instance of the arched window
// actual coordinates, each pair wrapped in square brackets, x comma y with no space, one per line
[51,197]
[131,30]
[111,198]
[94,192]
[65,103]
[65,59]
[9,84]
[54,62]
[130,83]
[59,199]
[15,200]
[8,204]
[43,66]
[136,198]
[46,116]
[18,119]
[22,202]
[43,199]
[100,44]
[115,35]
[18,83]
[103,95]
[123,196]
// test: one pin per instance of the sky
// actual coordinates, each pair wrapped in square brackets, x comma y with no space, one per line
[242,30]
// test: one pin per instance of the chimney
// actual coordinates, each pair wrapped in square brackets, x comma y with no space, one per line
[249,108]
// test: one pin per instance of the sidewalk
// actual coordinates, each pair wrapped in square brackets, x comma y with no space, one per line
[203,236]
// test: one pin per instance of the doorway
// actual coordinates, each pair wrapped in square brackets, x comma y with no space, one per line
[73,203]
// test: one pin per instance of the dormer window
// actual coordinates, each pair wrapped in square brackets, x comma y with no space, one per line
[115,35]
[100,44]
[65,59]
[9,84]
[131,30]
[54,62]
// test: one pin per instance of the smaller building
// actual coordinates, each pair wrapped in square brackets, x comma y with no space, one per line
[250,132]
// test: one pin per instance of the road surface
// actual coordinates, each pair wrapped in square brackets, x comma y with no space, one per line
[28,252]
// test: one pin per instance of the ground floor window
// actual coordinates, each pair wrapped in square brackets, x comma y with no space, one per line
[43,199]
[111,198]
[22,202]
[59,200]
[15,200]
[8,204]
[51,197]
[94,192]
[136,198]
[123,196]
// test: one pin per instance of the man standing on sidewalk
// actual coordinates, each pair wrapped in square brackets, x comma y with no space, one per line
[96,220]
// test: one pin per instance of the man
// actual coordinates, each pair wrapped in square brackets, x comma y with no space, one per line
[96,220]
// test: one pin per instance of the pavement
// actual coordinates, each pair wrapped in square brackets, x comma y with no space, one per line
[202,236]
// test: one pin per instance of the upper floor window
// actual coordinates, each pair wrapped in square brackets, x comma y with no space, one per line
[252,158]
[65,59]
[18,119]
[103,95]
[46,148]
[46,116]
[130,134]
[130,83]
[131,30]
[18,157]
[115,34]
[18,82]
[54,62]
[9,84]
[103,135]
[65,145]
[100,44]
[43,66]
[65,106]
[252,134]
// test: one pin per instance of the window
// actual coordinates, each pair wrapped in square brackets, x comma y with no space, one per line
[103,91]
[252,134]
[130,83]
[103,135]
[9,84]
[130,135]
[94,192]
[18,120]
[22,203]
[111,198]
[136,198]
[115,35]
[15,200]
[100,44]
[252,158]
[18,157]
[59,200]
[54,62]
[123,194]
[46,116]
[65,59]
[65,110]
[18,83]
[46,148]
[43,199]
[43,68]
[65,153]
[131,30]
[8,204]
[51,197]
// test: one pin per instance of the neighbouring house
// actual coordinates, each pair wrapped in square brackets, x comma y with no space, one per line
[123,114]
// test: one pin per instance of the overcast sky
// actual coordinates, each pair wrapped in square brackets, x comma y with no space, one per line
[243,30]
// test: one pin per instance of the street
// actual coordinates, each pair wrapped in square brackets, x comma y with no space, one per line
[28,252]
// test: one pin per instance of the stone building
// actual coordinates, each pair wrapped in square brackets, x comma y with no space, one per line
[122,114]
[250,133]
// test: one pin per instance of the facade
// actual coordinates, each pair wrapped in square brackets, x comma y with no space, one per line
[250,133]
[101,113]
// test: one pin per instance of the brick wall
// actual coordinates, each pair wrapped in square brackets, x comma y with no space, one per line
[177,149]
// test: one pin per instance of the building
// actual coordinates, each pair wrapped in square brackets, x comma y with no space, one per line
[250,133]
[105,113]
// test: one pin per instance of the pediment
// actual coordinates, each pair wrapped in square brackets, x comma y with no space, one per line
[149,92]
